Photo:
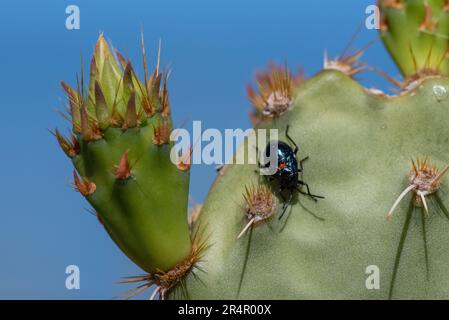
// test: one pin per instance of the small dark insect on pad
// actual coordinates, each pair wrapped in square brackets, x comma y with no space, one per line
[288,169]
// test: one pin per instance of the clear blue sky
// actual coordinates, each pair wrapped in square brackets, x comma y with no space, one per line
[213,49]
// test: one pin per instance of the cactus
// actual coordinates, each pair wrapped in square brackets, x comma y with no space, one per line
[416,35]
[360,145]
[379,160]
[120,147]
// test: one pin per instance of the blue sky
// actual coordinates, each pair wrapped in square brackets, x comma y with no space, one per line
[213,48]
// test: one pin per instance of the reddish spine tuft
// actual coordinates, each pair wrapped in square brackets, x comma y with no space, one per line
[184,160]
[83,185]
[70,146]
[122,171]
[161,133]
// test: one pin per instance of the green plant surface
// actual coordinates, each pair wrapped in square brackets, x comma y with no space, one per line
[139,213]
[120,149]
[360,147]
[416,34]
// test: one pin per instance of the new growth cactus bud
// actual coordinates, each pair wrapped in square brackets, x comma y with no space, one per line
[274,92]
[120,148]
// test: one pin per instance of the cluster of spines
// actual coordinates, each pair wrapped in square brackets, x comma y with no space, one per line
[70,145]
[127,104]
[166,282]
[348,63]
[260,205]
[274,93]
[275,86]
[425,179]
[91,114]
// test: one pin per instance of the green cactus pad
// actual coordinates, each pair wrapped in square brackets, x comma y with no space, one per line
[120,148]
[139,213]
[360,146]
[416,33]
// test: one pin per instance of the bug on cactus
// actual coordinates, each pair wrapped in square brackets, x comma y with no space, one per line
[287,172]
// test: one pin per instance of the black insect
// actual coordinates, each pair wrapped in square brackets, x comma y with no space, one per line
[287,172]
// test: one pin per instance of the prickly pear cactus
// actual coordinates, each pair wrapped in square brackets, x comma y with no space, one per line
[415,33]
[366,149]
[360,146]
[120,147]
[380,161]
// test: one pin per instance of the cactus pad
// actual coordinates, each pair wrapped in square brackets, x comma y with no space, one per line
[360,146]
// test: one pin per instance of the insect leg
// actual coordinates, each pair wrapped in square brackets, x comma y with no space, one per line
[300,163]
[295,151]
[308,193]
[286,204]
